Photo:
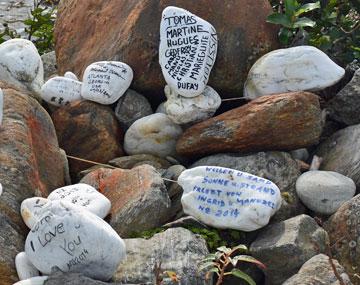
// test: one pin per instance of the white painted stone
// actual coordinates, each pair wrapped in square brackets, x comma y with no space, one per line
[161,108]
[154,134]
[324,191]
[1,106]
[24,268]
[85,196]
[69,74]
[21,65]
[106,81]
[60,91]
[187,53]
[228,199]
[182,110]
[39,280]
[302,68]
[31,209]
[74,240]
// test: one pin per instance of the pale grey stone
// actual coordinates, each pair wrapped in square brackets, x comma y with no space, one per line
[39,280]
[50,65]
[69,74]
[300,154]
[24,268]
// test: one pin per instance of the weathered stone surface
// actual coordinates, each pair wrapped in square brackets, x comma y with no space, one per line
[129,31]
[131,107]
[341,154]
[284,247]
[277,167]
[277,122]
[161,108]
[155,134]
[300,154]
[302,68]
[129,162]
[176,250]
[49,63]
[138,197]
[1,106]
[344,228]
[318,271]
[31,164]
[324,191]
[24,268]
[344,107]
[71,75]
[88,130]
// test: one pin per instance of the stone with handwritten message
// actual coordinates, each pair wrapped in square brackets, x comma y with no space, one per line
[74,240]
[228,199]
[31,209]
[60,91]
[71,75]
[106,81]
[188,47]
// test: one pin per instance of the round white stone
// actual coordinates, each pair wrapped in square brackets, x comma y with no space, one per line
[228,199]
[154,134]
[21,65]
[39,280]
[324,191]
[60,91]
[1,109]
[31,209]
[187,53]
[24,268]
[182,110]
[106,81]
[85,196]
[302,68]
[74,240]
[69,74]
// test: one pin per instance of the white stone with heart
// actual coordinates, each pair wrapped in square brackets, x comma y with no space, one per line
[105,82]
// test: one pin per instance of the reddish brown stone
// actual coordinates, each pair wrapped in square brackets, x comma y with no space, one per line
[277,122]
[128,30]
[90,131]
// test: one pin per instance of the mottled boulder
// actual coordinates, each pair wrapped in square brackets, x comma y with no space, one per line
[139,200]
[278,122]
[31,164]
[88,130]
[129,31]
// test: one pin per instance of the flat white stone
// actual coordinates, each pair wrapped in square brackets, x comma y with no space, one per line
[324,191]
[302,68]
[39,280]
[182,110]
[85,196]
[106,81]
[228,199]
[31,209]
[69,74]
[154,134]
[60,91]
[21,65]
[24,268]
[1,107]
[74,240]
[187,53]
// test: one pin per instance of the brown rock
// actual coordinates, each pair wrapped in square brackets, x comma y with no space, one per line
[90,131]
[129,31]
[278,122]
[30,165]
[139,199]
[131,161]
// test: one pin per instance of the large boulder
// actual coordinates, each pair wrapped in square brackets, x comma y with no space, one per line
[129,31]
[31,164]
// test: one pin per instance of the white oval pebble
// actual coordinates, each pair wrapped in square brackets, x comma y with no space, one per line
[24,268]
[69,74]
[39,280]
[31,209]
[228,199]
[302,68]
[105,82]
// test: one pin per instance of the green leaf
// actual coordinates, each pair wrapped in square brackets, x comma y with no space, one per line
[224,249]
[279,19]
[247,258]
[241,274]
[240,247]
[304,22]
[206,265]
[285,36]
[307,8]
[290,7]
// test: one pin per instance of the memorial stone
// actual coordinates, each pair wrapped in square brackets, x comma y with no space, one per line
[31,209]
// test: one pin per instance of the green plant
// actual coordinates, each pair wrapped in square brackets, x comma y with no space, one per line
[228,258]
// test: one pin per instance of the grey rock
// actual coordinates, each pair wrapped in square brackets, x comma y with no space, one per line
[176,250]
[284,247]
[300,154]
[324,191]
[185,222]
[131,161]
[318,271]
[161,108]
[66,167]
[131,107]
[345,105]
[49,62]
[341,153]
[276,166]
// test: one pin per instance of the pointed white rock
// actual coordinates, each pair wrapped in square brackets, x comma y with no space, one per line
[69,74]
[1,106]
[21,65]
[85,196]
[39,280]
[74,240]
[24,268]
[302,68]
[228,199]
[31,210]
[105,82]
[188,47]
[182,110]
